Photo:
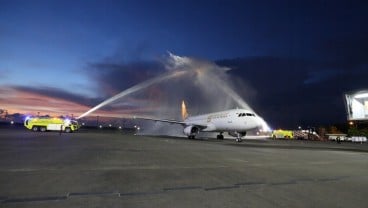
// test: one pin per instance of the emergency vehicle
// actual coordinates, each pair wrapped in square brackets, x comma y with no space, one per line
[51,124]
[282,134]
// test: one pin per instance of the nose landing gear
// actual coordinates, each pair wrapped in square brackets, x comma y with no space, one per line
[239,136]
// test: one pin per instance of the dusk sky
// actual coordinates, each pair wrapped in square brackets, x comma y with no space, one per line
[298,57]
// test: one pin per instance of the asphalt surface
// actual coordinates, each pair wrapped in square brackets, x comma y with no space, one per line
[114,169]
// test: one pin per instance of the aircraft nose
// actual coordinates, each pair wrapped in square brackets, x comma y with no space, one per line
[258,122]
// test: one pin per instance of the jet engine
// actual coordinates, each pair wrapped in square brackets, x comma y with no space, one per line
[191,130]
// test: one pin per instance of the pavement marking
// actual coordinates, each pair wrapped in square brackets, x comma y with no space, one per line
[283,183]
[35,199]
[150,167]
[221,188]
[182,188]
[140,193]
[3,199]
[28,169]
[249,183]
[92,194]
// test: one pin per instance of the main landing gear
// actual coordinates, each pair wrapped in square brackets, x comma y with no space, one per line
[220,136]
[191,137]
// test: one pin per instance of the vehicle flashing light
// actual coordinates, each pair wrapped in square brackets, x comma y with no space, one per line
[67,121]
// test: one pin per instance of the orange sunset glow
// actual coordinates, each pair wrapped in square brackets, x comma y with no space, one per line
[31,103]
[17,101]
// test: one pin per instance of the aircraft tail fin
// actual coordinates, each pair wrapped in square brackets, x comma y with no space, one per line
[184,113]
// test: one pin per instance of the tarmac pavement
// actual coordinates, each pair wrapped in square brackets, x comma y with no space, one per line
[115,169]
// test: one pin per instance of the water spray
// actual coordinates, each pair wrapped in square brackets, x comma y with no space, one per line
[206,84]
[133,89]
[227,90]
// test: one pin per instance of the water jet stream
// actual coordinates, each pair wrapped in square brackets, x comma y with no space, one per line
[227,90]
[133,89]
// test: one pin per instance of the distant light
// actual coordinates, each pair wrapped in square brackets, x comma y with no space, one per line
[110,125]
[351,123]
[363,95]
[138,128]
[299,127]
[119,127]
[11,122]
[83,124]
[100,126]
[135,126]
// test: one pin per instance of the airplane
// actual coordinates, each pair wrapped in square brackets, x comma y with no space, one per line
[235,121]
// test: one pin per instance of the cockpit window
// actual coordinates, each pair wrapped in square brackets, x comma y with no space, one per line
[246,114]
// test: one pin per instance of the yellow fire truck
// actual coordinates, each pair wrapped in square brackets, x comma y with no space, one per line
[282,134]
[51,124]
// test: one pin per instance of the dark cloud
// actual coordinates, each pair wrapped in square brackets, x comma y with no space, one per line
[346,52]
[293,92]
[322,75]
[112,77]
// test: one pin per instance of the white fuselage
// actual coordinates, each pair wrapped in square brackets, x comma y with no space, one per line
[236,120]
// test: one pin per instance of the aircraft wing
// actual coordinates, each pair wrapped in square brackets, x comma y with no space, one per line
[162,120]
[172,122]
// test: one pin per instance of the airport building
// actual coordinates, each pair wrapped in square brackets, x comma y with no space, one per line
[357,106]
